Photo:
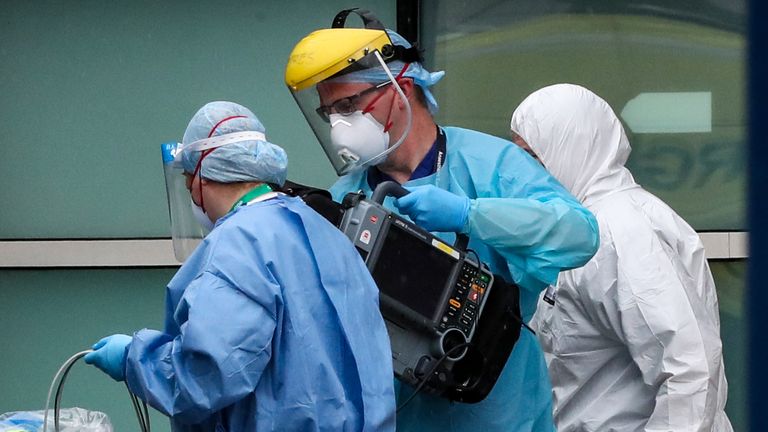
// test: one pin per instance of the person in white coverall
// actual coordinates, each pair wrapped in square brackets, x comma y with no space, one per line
[632,339]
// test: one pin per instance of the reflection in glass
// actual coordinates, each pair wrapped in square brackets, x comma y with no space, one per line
[651,60]
[669,112]
[496,53]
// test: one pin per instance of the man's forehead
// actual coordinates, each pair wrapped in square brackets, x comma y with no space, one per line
[332,88]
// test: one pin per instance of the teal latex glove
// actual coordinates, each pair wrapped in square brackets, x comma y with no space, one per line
[434,209]
[109,355]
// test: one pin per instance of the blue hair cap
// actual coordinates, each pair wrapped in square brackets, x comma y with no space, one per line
[421,77]
[244,161]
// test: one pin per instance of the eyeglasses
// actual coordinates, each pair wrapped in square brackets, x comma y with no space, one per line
[346,105]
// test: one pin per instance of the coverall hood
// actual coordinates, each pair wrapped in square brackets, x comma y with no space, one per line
[579,139]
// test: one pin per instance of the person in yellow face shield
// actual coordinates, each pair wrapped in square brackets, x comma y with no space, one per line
[366,96]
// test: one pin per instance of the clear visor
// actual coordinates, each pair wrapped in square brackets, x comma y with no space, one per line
[186,232]
[359,112]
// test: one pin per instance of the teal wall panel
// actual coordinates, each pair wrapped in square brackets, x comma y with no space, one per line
[46,316]
[90,89]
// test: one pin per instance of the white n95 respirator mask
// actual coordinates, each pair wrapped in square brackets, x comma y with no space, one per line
[359,139]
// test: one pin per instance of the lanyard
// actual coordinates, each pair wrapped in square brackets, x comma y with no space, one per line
[433,160]
[440,149]
[253,194]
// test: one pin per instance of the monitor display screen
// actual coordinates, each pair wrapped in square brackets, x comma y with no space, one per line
[413,272]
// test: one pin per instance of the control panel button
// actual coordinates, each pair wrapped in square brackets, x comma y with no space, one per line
[474,296]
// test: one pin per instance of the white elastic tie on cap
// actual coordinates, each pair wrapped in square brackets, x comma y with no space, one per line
[221,140]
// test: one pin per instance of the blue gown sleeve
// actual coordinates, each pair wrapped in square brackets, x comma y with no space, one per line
[218,358]
[533,223]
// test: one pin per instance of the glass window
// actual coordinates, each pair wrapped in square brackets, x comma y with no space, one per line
[672,70]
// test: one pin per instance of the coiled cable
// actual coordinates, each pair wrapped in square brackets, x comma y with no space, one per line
[142,413]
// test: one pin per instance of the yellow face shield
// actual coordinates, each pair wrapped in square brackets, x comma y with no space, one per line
[325,53]
[340,79]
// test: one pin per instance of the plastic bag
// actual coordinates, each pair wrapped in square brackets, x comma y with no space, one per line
[70,420]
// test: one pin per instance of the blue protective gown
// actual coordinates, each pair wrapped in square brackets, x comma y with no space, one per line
[527,228]
[272,324]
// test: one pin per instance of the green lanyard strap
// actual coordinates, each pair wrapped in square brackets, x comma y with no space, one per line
[253,194]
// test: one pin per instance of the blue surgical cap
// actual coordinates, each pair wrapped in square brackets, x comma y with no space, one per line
[422,77]
[244,161]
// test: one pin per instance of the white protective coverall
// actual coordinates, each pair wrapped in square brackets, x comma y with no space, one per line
[633,340]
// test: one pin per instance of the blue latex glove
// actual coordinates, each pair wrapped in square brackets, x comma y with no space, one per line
[434,209]
[109,355]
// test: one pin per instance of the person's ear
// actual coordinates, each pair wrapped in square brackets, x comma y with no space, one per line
[406,84]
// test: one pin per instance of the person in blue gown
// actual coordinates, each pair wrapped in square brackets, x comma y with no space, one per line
[273,322]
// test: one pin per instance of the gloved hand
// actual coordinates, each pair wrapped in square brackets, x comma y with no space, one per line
[109,355]
[434,209]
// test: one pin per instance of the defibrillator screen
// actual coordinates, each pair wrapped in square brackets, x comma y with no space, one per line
[413,272]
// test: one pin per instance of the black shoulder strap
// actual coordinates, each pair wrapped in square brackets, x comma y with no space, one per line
[320,200]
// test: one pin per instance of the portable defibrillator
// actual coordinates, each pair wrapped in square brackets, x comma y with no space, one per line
[452,324]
